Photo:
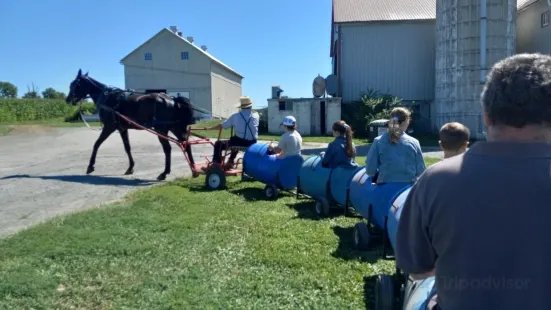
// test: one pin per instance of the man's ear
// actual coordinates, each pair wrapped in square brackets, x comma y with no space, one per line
[486,119]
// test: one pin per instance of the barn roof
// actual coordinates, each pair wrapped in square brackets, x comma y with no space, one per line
[349,11]
[166,30]
[521,4]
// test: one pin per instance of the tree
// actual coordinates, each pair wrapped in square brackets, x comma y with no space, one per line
[50,93]
[7,90]
[32,93]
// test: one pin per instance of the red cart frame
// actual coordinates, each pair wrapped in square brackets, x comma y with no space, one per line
[215,173]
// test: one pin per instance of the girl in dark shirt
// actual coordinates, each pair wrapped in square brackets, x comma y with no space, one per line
[340,152]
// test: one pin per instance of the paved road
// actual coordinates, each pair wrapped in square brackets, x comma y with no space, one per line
[42,173]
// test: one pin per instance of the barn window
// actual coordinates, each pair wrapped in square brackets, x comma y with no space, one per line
[148,56]
[545,19]
[285,105]
[184,55]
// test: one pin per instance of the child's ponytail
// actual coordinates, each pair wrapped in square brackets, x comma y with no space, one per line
[350,150]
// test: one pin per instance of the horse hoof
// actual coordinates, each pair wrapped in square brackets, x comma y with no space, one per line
[90,170]
[129,172]
[161,177]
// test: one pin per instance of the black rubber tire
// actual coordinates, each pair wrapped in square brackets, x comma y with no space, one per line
[322,207]
[361,236]
[215,179]
[384,293]
[270,192]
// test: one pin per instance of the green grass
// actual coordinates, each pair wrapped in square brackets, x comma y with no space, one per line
[176,246]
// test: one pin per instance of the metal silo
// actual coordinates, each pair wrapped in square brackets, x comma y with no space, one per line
[471,35]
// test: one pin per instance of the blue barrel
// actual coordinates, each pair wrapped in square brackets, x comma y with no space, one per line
[363,193]
[382,198]
[313,178]
[269,169]
[394,215]
[360,192]
[340,180]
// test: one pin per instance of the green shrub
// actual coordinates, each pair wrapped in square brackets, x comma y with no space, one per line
[87,108]
[371,106]
[21,110]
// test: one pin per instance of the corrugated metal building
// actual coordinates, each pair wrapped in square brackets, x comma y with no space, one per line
[390,46]
[170,63]
[386,45]
[533,30]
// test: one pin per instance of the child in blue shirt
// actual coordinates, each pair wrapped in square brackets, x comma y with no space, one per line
[341,152]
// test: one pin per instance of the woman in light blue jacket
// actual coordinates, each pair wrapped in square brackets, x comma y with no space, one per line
[396,156]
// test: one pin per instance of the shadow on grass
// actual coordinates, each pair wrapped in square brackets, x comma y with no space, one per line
[306,209]
[87,179]
[347,251]
[250,193]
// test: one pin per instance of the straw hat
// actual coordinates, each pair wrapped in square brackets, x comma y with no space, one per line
[245,102]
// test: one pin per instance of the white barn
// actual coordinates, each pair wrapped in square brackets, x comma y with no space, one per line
[170,63]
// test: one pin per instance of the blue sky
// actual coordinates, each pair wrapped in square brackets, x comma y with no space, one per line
[281,42]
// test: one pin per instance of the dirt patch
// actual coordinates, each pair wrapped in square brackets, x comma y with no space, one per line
[29,129]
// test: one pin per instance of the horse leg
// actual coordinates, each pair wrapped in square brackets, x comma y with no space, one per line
[167,149]
[126,142]
[105,133]
[182,137]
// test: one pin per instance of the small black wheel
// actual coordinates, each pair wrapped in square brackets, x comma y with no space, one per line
[215,179]
[270,191]
[361,236]
[322,207]
[384,292]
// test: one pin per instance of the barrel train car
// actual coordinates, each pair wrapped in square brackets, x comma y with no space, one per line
[379,204]
[341,187]
[277,173]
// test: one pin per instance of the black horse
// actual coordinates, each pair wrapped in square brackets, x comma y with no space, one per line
[154,110]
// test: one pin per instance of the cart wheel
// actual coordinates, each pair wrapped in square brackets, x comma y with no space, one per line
[361,236]
[322,207]
[270,191]
[384,292]
[216,179]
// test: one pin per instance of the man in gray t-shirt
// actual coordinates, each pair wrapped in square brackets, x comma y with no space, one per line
[481,221]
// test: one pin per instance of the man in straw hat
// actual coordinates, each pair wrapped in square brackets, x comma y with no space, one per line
[245,131]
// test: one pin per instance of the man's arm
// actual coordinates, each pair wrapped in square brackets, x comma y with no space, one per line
[280,146]
[372,160]
[215,127]
[225,124]
[414,251]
